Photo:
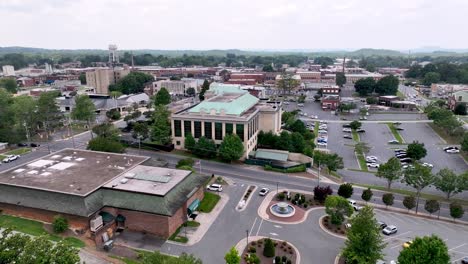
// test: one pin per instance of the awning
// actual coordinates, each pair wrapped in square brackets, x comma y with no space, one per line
[106,217]
[120,218]
[193,206]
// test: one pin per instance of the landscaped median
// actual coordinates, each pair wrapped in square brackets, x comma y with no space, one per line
[395,133]
[181,238]
[18,151]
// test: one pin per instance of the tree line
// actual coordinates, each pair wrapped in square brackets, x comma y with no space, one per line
[439,72]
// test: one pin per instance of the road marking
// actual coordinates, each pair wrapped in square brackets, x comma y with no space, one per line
[457,247]
[278,226]
[273,234]
[259,226]
[253,225]
[402,234]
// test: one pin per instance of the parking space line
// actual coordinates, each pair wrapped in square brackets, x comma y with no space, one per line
[253,225]
[457,247]
[402,234]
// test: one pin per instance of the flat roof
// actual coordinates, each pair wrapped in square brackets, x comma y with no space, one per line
[148,180]
[70,171]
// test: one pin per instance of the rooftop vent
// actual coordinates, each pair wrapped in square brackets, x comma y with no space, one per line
[124,180]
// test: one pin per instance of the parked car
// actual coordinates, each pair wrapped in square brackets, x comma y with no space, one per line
[348,136]
[323,127]
[264,191]
[215,187]
[323,122]
[401,156]
[450,147]
[391,229]
[34,145]
[354,205]
[381,224]
[321,131]
[22,145]
[360,130]
[399,150]
[373,165]
[425,164]
[348,130]
[406,160]
[322,144]
[362,118]
[10,158]
[397,123]
[393,141]
[286,103]
[464,260]
[372,157]
[453,150]
[347,125]
[407,244]
[407,166]
[314,116]
[300,104]
[371,160]
[399,128]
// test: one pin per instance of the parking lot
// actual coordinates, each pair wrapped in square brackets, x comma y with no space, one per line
[455,236]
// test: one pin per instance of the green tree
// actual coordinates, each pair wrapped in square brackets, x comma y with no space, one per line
[268,68]
[82,78]
[161,128]
[48,112]
[367,195]
[140,131]
[105,145]
[391,171]
[324,61]
[11,245]
[205,87]
[7,116]
[372,100]
[60,224]
[337,208]
[298,126]
[185,162]
[205,148]
[387,199]
[432,206]
[332,161]
[113,114]
[449,182]
[24,109]
[42,250]
[84,110]
[231,148]
[106,130]
[345,190]
[464,142]
[190,91]
[416,150]
[340,79]
[460,109]
[418,177]
[355,124]
[364,243]
[430,78]
[269,248]
[286,83]
[189,142]
[456,210]
[409,202]
[133,83]
[9,84]
[388,85]
[232,257]
[361,147]
[162,97]
[365,86]
[425,250]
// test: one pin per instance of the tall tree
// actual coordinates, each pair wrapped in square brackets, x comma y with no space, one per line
[418,177]
[365,86]
[189,143]
[340,79]
[232,257]
[337,208]
[205,87]
[345,190]
[425,250]
[388,85]
[9,84]
[430,78]
[205,148]
[364,243]
[24,108]
[416,150]
[140,131]
[106,130]
[134,82]
[231,148]
[48,112]
[162,97]
[161,129]
[391,171]
[287,83]
[84,110]
[83,78]
[450,183]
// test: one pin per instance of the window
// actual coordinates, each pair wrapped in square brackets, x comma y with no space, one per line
[197,127]
[240,131]
[208,133]
[177,128]
[187,127]
[218,131]
[229,128]
[178,143]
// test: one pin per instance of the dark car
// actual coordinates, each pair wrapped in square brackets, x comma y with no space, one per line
[347,125]
[464,260]
[34,145]
[381,224]
[360,130]
[397,123]
[22,145]
[347,136]
[399,128]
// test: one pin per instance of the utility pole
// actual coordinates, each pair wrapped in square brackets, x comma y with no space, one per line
[318,184]
[247,232]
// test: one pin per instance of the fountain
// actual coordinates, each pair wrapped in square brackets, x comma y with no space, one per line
[282,209]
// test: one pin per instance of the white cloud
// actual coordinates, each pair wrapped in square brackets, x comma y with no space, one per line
[244,24]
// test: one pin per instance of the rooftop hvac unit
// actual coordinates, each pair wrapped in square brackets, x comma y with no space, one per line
[124,180]
[96,223]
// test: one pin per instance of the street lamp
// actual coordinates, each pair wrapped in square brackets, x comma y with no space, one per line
[247,232]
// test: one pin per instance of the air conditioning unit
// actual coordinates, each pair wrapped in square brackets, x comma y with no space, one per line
[96,223]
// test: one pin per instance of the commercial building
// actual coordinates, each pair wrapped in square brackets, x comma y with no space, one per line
[101,78]
[100,192]
[460,97]
[173,87]
[8,70]
[309,76]
[353,78]
[227,109]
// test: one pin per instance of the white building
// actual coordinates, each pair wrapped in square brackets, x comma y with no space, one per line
[8,70]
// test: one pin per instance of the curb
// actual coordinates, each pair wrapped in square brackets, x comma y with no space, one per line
[248,199]
[242,244]
[328,232]
[337,259]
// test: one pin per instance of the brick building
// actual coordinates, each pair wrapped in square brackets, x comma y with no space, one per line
[101,192]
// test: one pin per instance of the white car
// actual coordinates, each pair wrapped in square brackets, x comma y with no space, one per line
[322,131]
[10,158]
[393,141]
[314,116]
[215,187]
[452,151]
[300,105]
[371,160]
[323,127]
[286,103]
[322,144]
[347,130]
[355,205]
[323,122]
[263,191]
[372,157]
[425,164]
[373,165]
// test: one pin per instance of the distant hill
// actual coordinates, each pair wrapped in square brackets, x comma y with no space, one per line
[375,52]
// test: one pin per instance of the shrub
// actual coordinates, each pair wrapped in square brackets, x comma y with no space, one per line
[409,202]
[277,259]
[387,199]
[60,224]
[105,145]
[252,250]
[303,197]
[269,249]
[284,258]
[185,162]
[321,193]
[280,196]
[289,261]
[305,205]
[253,243]
[345,190]
[253,259]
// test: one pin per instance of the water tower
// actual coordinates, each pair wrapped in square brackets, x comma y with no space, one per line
[113,56]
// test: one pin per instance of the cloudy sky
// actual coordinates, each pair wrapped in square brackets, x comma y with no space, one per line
[241,24]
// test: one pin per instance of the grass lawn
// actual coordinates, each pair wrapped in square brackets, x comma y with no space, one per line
[175,237]
[34,228]
[395,133]
[406,192]
[316,129]
[366,171]
[355,136]
[401,95]
[209,202]
[450,139]
[163,258]
[193,224]
[19,151]
[362,161]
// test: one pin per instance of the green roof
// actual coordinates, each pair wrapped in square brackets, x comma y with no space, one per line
[271,154]
[220,88]
[236,106]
